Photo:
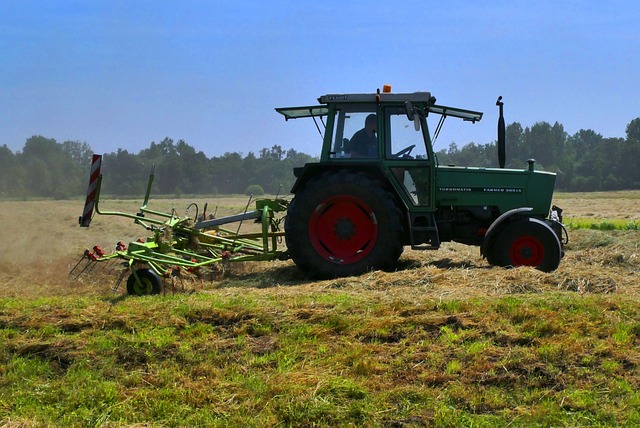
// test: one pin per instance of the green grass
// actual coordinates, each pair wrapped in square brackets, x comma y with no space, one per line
[605,225]
[324,358]
[617,194]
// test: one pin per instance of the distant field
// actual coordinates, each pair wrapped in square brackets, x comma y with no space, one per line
[621,205]
[444,340]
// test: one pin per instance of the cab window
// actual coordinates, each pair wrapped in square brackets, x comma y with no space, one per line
[402,141]
[355,132]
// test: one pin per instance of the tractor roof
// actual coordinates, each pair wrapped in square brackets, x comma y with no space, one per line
[322,110]
[414,97]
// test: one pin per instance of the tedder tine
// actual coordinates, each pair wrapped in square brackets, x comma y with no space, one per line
[76,265]
[120,278]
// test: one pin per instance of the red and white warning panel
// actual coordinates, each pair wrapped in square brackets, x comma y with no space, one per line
[87,213]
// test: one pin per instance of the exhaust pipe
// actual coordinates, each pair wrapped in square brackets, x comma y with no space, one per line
[501,135]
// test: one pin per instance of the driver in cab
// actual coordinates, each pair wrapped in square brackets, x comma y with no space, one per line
[364,143]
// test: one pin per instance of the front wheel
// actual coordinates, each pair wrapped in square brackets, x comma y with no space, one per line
[528,242]
[149,283]
[343,223]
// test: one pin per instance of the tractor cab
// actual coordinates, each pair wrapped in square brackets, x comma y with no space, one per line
[385,129]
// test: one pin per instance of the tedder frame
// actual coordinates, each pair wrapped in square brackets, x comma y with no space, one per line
[181,244]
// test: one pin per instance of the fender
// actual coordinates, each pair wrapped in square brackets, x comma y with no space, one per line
[497,224]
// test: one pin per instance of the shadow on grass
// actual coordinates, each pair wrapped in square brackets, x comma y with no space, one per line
[114,299]
[278,276]
[446,263]
[291,275]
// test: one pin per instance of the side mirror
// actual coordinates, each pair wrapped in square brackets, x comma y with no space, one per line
[411,114]
[408,108]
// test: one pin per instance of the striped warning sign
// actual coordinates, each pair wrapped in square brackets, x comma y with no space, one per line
[87,213]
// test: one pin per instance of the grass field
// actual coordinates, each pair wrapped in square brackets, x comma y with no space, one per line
[445,340]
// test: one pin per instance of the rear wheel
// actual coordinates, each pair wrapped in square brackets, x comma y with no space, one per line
[528,242]
[343,223]
[149,283]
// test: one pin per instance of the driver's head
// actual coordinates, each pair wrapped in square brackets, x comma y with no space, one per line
[371,122]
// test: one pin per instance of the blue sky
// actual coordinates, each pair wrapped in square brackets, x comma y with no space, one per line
[121,74]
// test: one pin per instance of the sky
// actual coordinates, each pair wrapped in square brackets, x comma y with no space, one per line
[120,74]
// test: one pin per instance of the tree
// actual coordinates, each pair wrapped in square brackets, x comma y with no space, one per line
[631,154]
[585,143]
[125,173]
[514,140]
[79,152]
[228,173]
[546,144]
[633,130]
[51,171]
[11,177]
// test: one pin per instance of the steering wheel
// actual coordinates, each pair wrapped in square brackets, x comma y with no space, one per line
[404,152]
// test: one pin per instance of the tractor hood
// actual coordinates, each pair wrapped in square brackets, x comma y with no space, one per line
[503,188]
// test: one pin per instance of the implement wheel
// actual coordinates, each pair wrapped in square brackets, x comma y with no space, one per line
[343,223]
[150,283]
[528,242]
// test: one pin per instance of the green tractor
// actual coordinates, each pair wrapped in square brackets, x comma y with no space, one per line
[378,187]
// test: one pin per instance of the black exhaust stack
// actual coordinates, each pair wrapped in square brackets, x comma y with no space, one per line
[501,135]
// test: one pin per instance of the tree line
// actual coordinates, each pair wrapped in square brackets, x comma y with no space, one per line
[49,169]
[585,161]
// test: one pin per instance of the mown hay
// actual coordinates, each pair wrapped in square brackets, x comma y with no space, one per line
[35,262]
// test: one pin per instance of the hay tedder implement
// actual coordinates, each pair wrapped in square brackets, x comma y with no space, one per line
[181,245]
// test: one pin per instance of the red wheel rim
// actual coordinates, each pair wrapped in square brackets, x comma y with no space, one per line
[343,229]
[527,251]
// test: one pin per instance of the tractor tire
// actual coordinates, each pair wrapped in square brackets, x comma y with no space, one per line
[150,283]
[343,223]
[527,242]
